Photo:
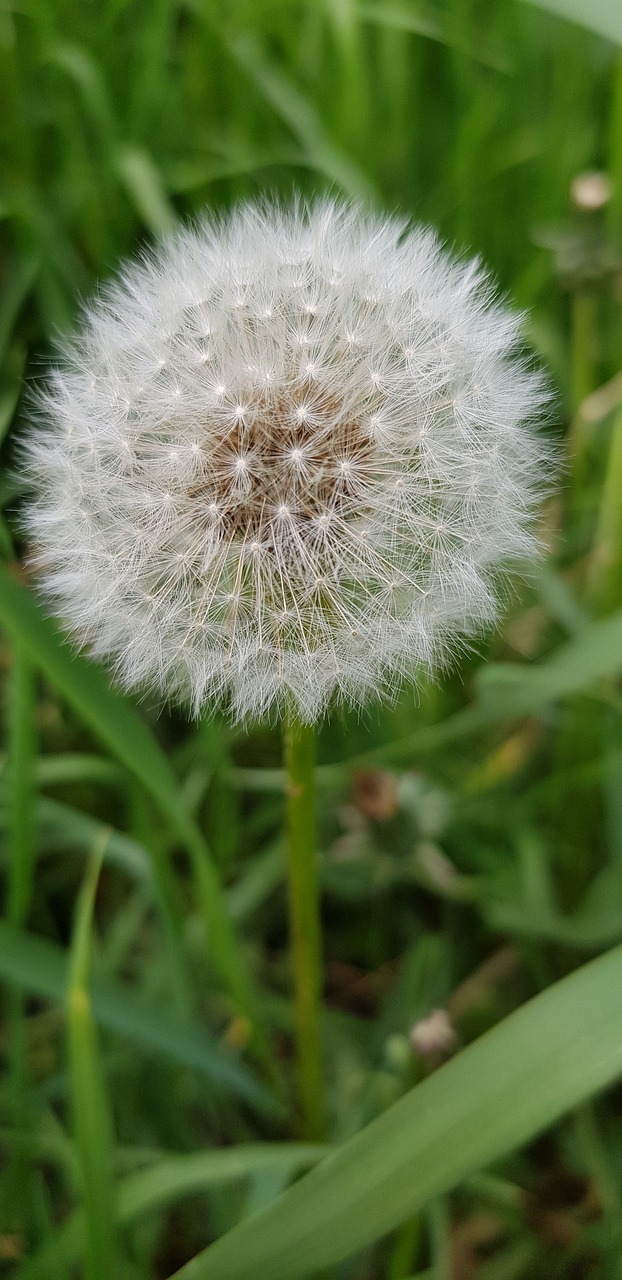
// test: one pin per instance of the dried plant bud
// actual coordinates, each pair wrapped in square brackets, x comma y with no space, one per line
[284,461]
[375,794]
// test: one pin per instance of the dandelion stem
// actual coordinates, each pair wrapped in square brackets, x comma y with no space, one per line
[304,915]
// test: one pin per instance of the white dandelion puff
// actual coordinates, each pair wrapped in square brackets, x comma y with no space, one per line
[284,460]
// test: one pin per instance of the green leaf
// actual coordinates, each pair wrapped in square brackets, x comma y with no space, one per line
[595,924]
[19,281]
[62,827]
[516,689]
[21,851]
[177,1176]
[173,1177]
[90,1108]
[115,722]
[9,399]
[425,22]
[602,16]
[68,767]
[109,715]
[298,112]
[84,71]
[34,964]
[544,1059]
[21,791]
[144,185]
[508,689]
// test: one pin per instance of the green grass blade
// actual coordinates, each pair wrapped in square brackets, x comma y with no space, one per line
[34,964]
[177,1176]
[299,114]
[426,23]
[9,400]
[544,1059]
[144,186]
[116,724]
[66,767]
[508,689]
[172,1178]
[22,849]
[602,16]
[21,789]
[84,71]
[516,689]
[16,288]
[92,1121]
[107,714]
[64,828]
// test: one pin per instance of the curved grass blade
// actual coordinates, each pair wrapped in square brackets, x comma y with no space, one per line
[425,22]
[92,1119]
[176,1176]
[60,827]
[602,16]
[505,690]
[144,185]
[172,1178]
[114,721]
[22,851]
[518,689]
[300,115]
[544,1059]
[34,964]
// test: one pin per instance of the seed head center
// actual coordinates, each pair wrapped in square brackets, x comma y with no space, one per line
[284,462]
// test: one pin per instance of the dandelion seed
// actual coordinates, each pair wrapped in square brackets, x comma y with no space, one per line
[314,526]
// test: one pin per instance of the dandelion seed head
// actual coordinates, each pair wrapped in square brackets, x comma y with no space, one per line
[285,459]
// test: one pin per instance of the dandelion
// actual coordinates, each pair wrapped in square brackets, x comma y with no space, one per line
[282,466]
[284,460]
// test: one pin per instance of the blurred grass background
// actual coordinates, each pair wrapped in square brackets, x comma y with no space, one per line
[471,838]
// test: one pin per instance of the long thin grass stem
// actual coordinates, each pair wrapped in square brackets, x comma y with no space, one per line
[304,915]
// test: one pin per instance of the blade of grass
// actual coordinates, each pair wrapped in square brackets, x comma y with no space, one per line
[172,1178]
[69,767]
[78,64]
[144,186]
[16,288]
[426,23]
[116,724]
[22,856]
[602,16]
[21,790]
[176,1176]
[506,690]
[64,828]
[92,1121]
[604,576]
[300,115]
[516,689]
[36,965]
[148,81]
[9,399]
[517,1079]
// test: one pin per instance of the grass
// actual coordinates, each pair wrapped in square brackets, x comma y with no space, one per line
[471,838]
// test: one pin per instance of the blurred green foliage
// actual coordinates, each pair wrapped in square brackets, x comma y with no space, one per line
[471,836]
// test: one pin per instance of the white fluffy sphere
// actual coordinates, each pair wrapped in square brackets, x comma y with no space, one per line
[284,460]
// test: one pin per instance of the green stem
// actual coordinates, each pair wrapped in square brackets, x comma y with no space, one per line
[614,209]
[16,1186]
[584,331]
[604,580]
[304,915]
